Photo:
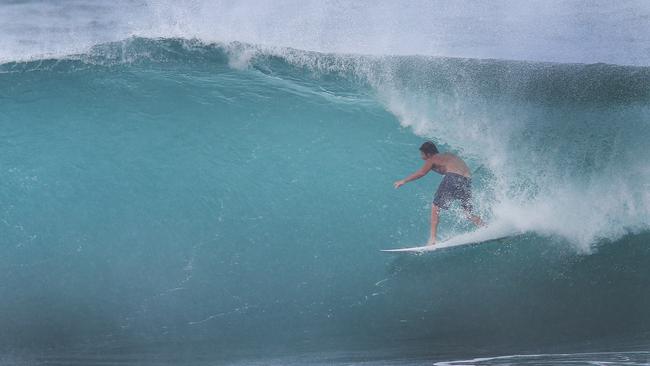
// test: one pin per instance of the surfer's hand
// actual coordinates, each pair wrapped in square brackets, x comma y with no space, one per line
[399,183]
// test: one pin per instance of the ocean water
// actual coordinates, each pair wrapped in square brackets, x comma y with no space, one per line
[211,182]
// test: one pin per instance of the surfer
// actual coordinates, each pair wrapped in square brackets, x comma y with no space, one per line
[455,185]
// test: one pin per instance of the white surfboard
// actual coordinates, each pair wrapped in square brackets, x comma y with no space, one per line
[481,235]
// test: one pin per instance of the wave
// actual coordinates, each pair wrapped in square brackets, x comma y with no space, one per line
[563,144]
[172,190]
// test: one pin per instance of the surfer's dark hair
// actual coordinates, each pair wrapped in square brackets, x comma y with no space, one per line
[429,148]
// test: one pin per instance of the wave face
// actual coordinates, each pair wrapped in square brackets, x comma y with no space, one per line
[171,192]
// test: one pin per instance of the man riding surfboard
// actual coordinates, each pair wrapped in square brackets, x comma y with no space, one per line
[456,184]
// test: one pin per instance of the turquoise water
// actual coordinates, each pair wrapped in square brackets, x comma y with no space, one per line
[177,201]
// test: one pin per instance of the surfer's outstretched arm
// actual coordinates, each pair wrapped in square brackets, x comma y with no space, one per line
[417,175]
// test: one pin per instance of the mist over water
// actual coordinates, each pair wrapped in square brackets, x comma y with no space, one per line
[558,30]
[217,175]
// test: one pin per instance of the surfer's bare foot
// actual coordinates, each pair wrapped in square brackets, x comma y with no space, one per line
[431,242]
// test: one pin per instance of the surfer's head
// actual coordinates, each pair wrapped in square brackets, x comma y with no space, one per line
[428,149]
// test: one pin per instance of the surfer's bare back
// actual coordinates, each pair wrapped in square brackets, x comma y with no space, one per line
[456,184]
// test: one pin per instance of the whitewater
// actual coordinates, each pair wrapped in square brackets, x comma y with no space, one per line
[211,182]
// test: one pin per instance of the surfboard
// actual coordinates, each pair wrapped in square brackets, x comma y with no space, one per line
[479,236]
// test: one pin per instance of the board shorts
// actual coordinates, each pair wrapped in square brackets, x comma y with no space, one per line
[454,187]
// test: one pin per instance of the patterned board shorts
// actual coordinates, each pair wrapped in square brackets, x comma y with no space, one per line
[454,187]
